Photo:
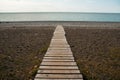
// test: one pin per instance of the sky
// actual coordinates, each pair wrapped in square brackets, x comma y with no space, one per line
[105,6]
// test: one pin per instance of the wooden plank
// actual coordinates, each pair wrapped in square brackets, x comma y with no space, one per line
[58,37]
[59,51]
[59,76]
[59,41]
[59,67]
[50,55]
[56,79]
[59,30]
[58,63]
[59,46]
[64,57]
[58,60]
[58,71]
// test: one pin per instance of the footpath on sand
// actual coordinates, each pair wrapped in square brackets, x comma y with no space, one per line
[58,62]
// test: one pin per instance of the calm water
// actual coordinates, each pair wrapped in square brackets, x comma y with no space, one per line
[47,16]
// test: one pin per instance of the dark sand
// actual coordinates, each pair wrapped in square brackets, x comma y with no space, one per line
[96,51]
[22,50]
[64,23]
[95,45]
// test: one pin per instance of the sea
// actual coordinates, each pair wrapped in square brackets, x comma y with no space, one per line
[60,16]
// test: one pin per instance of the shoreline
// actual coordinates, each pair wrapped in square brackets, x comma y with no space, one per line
[58,21]
[87,24]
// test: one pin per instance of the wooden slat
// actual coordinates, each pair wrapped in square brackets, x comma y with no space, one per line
[58,60]
[60,63]
[65,45]
[58,71]
[60,51]
[57,79]
[59,46]
[59,76]
[68,49]
[58,37]
[56,52]
[61,32]
[59,41]
[59,67]
[58,55]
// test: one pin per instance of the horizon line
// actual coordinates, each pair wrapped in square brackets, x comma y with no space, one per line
[57,12]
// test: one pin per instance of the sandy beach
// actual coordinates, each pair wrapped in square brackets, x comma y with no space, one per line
[96,51]
[22,50]
[95,45]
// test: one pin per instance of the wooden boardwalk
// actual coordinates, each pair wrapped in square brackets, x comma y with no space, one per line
[58,62]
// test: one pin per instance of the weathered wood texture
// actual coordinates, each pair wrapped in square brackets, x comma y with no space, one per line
[58,63]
